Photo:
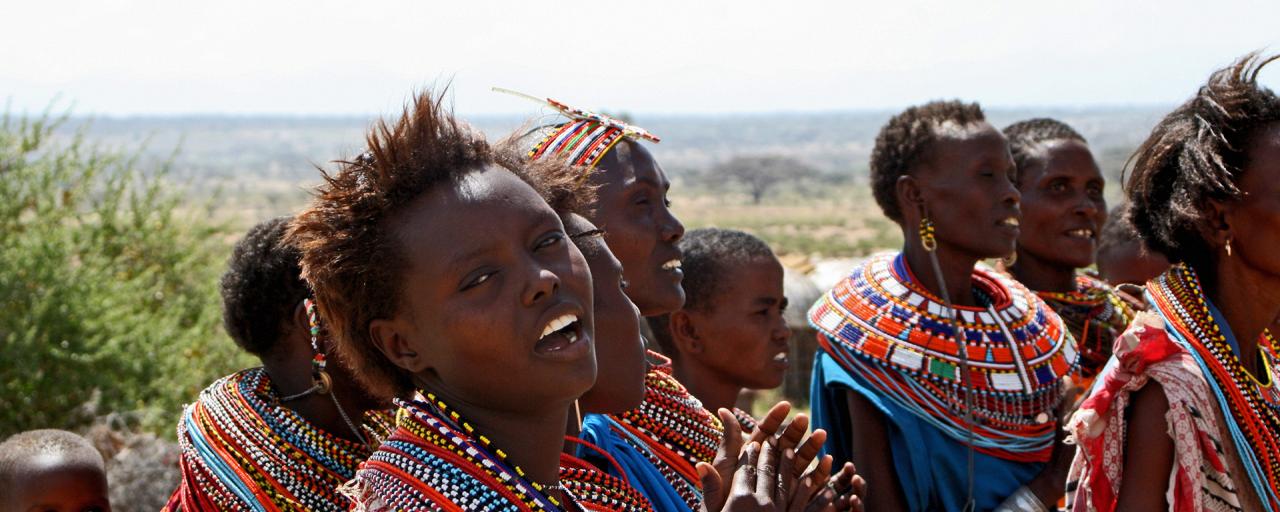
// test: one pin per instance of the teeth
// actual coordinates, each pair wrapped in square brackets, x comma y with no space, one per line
[1082,233]
[671,265]
[559,323]
[1011,221]
[780,357]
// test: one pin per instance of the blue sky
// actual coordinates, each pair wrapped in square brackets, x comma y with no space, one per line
[167,57]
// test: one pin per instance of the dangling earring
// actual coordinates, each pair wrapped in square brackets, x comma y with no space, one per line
[321,383]
[1228,247]
[927,239]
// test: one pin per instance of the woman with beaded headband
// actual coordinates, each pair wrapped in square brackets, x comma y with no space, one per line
[1063,212]
[937,376]
[1190,417]
[286,435]
[621,387]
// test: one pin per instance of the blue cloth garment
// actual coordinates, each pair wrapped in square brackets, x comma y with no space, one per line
[641,474]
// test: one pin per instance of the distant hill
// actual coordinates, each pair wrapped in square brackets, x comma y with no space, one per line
[285,149]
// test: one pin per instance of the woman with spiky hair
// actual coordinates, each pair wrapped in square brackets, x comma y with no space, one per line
[1190,418]
[482,329]
[1063,212]
[935,376]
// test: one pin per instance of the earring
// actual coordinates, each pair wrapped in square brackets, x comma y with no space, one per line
[927,239]
[322,381]
[1228,247]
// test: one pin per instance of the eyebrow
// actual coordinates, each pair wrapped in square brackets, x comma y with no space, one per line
[663,185]
[767,301]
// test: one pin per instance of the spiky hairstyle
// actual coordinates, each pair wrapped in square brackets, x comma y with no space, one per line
[351,255]
[261,287]
[1196,155]
[1025,136]
[706,255]
[906,140]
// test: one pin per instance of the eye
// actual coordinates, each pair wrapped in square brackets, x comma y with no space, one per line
[551,239]
[477,280]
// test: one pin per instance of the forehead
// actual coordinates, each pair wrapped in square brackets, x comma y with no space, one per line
[629,163]
[752,278]
[956,144]
[448,217]
[1066,158]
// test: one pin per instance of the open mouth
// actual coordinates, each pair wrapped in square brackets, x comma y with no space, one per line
[1081,233]
[560,333]
[673,264]
[782,359]
[1009,222]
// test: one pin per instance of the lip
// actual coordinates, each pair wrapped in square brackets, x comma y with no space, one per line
[781,363]
[666,257]
[1076,233]
[573,351]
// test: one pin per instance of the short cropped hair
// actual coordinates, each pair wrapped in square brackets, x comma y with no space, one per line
[1025,136]
[1196,155]
[261,287]
[707,254]
[24,446]
[905,141]
[350,254]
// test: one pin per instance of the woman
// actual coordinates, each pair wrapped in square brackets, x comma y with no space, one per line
[292,431]
[1063,213]
[944,421]
[1190,417]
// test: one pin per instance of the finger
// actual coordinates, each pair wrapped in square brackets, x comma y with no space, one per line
[810,448]
[744,477]
[711,486]
[767,473]
[730,451]
[786,475]
[794,432]
[811,496]
[772,421]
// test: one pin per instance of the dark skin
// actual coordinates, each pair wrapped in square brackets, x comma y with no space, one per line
[620,356]
[289,366]
[740,340]
[56,483]
[1249,304]
[475,324]
[964,185]
[633,209]
[1063,211]
[1130,263]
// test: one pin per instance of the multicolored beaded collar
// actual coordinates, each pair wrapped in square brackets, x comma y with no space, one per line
[596,490]
[1251,407]
[881,325]
[585,139]
[677,430]
[242,450]
[1095,315]
[434,459]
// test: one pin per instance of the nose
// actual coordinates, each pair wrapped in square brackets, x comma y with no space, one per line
[1089,207]
[671,228]
[1010,196]
[782,333]
[543,284]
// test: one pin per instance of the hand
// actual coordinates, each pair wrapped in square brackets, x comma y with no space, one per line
[758,481]
[727,455]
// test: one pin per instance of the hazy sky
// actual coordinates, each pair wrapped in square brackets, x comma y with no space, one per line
[693,56]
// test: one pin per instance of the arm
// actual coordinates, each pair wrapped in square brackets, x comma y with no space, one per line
[872,455]
[1148,452]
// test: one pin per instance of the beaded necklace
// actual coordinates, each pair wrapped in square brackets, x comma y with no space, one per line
[434,458]
[882,326]
[1095,316]
[242,450]
[597,490]
[1249,406]
[676,430]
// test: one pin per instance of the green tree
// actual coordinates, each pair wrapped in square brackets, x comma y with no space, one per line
[108,285]
[759,173]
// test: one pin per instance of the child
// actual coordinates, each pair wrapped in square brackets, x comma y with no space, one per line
[730,334]
[52,470]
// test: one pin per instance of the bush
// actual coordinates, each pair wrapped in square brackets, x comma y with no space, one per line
[108,285]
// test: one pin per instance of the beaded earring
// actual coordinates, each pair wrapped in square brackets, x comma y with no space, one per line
[322,381]
[927,239]
[1228,247]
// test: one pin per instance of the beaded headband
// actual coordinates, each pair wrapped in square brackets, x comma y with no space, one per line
[585,139]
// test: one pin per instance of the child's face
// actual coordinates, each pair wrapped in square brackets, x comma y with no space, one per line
[744,335]
[51,483]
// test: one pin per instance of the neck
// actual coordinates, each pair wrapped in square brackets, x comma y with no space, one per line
[1042,276]
[532,440]
[957,270]
[291,374]
[706,385]
[1249,301]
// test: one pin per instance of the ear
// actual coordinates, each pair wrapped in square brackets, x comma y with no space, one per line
[910,195]
[393,338]
[300,323]
[1216,225]
[684,333]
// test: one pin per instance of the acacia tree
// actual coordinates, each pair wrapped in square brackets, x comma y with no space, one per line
[759,173]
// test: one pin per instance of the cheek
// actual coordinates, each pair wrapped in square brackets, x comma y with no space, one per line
[630,242]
